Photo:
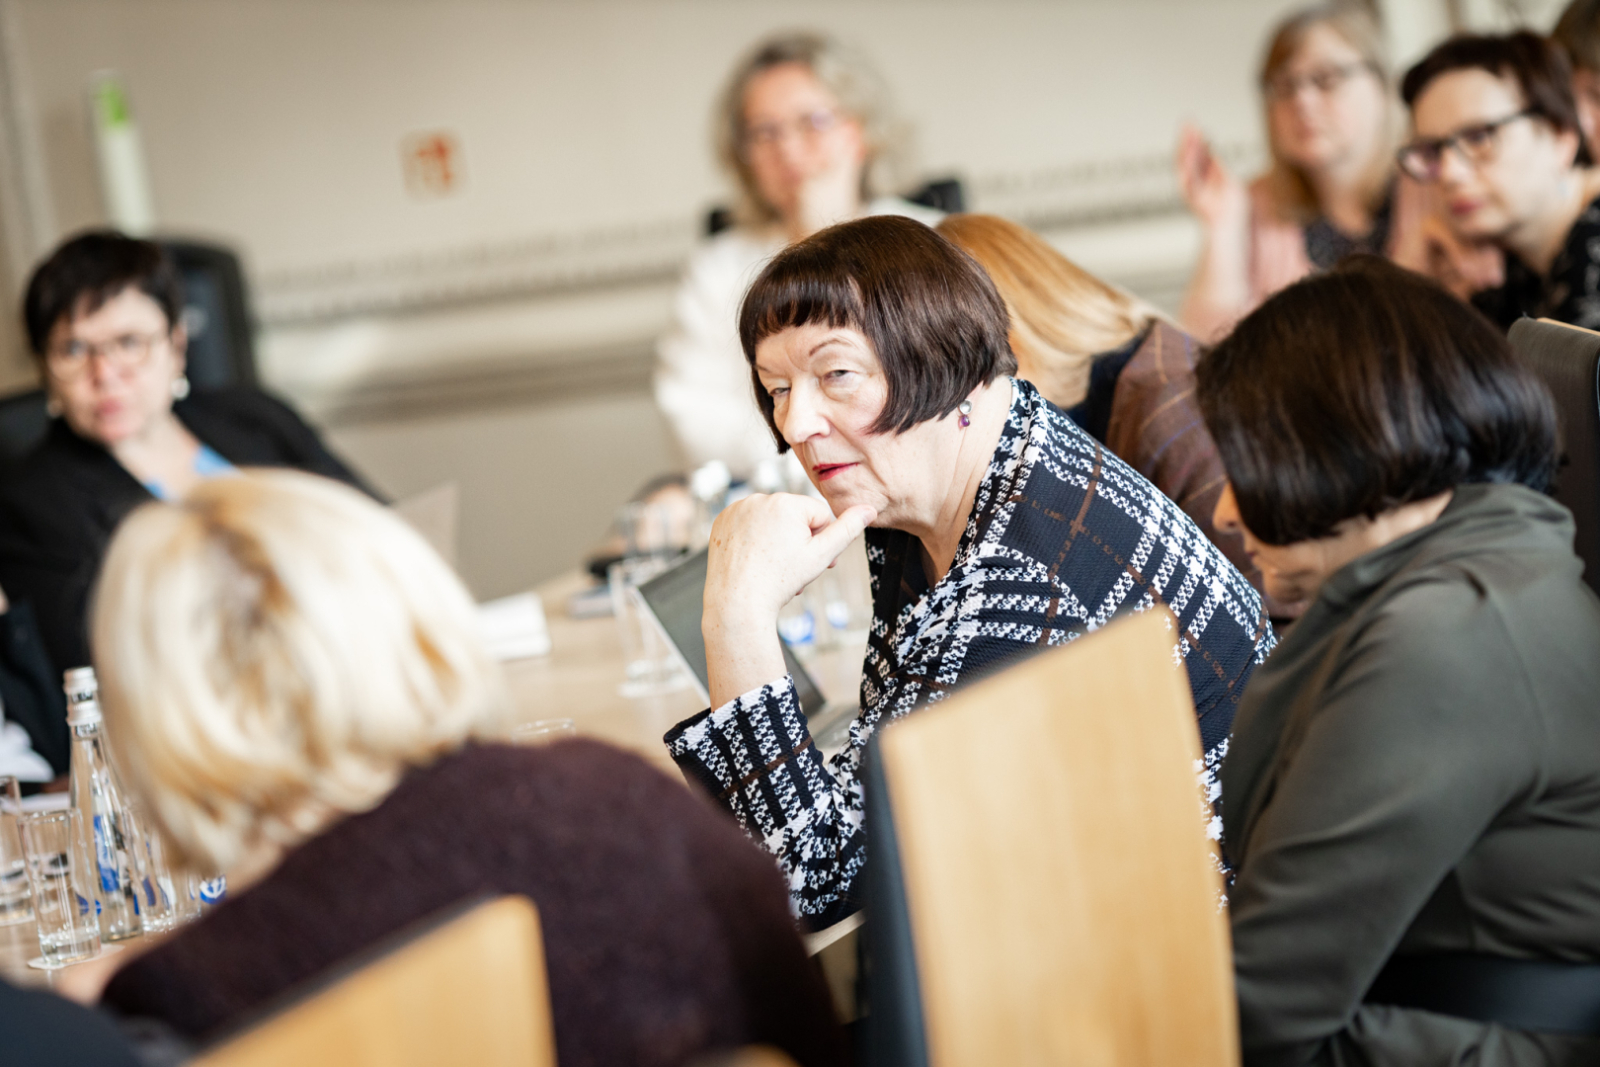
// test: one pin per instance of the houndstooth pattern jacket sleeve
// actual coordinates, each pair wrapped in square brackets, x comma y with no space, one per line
[1063,536]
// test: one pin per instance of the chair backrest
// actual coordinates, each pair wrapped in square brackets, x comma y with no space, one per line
[216,311]
[23,423]
[471,990]
[1568,359]
[1060,896]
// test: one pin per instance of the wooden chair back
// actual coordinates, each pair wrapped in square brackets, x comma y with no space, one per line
[1063,901]
[471,990]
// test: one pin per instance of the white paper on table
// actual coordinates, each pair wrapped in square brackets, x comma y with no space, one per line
[513,627]
[46,802]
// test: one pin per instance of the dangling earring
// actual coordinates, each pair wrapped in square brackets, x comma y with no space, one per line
[180,387]
[965,407]
[52,406]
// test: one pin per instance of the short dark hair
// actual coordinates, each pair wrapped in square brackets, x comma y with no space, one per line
[1540,68]
[1359,390]
[930,313]
[87,270]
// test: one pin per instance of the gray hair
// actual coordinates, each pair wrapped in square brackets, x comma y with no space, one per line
[846,74]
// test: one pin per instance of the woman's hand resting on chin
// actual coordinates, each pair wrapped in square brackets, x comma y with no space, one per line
[764,550]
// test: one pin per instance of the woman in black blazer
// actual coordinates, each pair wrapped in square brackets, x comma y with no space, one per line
[103,322]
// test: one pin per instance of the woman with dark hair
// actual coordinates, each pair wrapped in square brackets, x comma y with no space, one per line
[879,353]
[103,316]
[1412,798]
[1495,127]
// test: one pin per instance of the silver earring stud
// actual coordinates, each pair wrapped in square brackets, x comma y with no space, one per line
[965,407]
[52,407]
[180,387]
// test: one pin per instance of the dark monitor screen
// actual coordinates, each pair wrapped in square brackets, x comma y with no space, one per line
[676,598]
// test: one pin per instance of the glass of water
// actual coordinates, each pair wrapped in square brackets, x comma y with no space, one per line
[648,664]
[164,899]
[16,900]
[68,928]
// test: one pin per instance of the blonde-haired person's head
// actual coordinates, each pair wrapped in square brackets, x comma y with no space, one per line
[852,81]
[1061,315]
[1355,23]
[274,652]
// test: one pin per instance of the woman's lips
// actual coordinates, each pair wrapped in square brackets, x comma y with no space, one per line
[1464,206]
[824,471]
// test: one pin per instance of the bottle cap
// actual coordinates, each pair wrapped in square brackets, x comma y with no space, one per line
[83,696]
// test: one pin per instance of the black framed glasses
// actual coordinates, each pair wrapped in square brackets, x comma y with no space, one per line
[68,361]
[1477,144]
[1324,80]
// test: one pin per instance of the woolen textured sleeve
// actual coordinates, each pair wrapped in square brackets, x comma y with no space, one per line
[1396,776]
[755,755]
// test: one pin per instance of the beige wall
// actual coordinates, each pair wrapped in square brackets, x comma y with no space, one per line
[500,336]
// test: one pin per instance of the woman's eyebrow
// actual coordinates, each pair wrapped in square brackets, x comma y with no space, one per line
[836,338]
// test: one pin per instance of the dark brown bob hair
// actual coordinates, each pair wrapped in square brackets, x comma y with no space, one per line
[930,313]
[1359,390]
[1540,68]
[87,270]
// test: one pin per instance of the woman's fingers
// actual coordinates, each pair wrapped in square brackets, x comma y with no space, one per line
[832,539]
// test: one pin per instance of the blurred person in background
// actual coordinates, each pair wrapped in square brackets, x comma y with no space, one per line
[1577,34]
[1113,363]
[103,322]
[1496,131]
[295,683]
[1331,188]
[804,130]
[997,527]
[1412,798]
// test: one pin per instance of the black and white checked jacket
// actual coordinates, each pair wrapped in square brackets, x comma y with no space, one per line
[1063,535]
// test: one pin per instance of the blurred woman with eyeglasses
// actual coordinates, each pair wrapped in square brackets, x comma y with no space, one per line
[1496,131]
[103,317]
[803,129]
[1330,190]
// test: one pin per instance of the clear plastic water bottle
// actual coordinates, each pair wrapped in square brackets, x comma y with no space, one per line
[111,833]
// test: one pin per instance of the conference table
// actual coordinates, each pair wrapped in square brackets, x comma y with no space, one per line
[579,679]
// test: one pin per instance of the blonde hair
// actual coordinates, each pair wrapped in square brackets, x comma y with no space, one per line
[846,74]
[1061,315]
[1357,25]
[274,651]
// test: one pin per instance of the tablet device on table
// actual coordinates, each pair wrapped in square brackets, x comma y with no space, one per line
[675,599]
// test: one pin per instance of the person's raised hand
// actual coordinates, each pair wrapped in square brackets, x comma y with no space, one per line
[1215,196]
[832,194]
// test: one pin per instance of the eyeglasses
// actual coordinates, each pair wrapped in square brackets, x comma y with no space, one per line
[1477,144]
[68,361]
[1324,80]
[811,124]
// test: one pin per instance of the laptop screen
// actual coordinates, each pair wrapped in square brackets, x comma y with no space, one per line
[676,599]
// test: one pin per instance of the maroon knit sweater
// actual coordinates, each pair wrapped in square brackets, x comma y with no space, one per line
[666,931]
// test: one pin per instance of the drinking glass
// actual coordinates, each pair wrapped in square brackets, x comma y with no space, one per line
[544,731]
[162,897]
[648,664]
[16,899]
[68,928]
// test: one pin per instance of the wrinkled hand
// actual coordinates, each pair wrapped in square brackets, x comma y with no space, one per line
[1215,196]
[1425,243]
[764,550]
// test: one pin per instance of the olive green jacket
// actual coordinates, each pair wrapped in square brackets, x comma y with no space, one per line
[1417,769]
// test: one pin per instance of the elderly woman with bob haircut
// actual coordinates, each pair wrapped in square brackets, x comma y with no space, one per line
[1412,799]
[294,681]
[879,354]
